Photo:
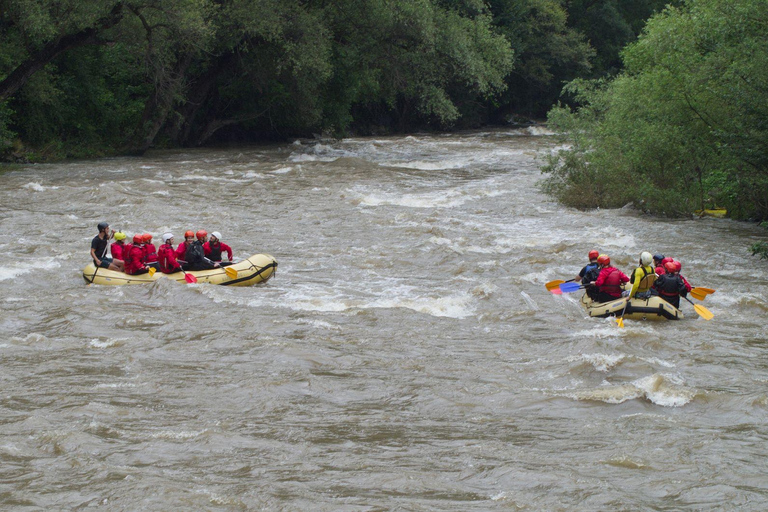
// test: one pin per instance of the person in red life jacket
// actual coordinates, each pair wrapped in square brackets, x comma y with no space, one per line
[609,281]
[134,256]
[99,246]
[166,256]
[678,268]
[181,250]
[196,259]
[670,286]
[657,265]
[118,246]
[150,253]
[214,247]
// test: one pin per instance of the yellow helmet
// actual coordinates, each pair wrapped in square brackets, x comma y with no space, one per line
[119,235]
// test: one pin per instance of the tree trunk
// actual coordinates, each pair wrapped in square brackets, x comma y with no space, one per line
[19,76]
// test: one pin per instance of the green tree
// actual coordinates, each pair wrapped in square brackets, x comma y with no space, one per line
[683,127]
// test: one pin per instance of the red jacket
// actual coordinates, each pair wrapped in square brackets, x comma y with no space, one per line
[166,259]
[609,281]
[181,251]
[133,259]
[150,254]
[117,250]
[213,251]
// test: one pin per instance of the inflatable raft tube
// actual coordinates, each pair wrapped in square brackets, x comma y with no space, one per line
[654,308]
[256,269]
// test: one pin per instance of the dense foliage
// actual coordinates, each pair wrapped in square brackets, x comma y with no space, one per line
[683,127]
[89,77]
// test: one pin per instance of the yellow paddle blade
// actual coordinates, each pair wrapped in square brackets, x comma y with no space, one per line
[152,271]
[703,312]
[554,284]
[698,295]
[620,321]
[705,291]
[231,272]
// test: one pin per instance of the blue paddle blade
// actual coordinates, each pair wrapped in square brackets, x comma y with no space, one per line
[570,287]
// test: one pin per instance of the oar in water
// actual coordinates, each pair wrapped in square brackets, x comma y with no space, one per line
[620,320]
[700,293]
[152,271]
[231,272]
[555,285]
[701,310]
[187,277]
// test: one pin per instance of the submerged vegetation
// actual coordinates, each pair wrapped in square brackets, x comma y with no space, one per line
[683,127]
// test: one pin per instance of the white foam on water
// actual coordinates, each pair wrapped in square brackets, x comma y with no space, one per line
[178,435]
[601,362]
[37,187]
[16,268]
[428,166]
[531,303]
[659,389]
[447,199]
[96,343]
[282,170]
[161,193]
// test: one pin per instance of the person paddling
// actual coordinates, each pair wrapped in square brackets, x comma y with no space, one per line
[134,264]
[181,250]
[589,273]
[166,256]
[670,286]
[195,254]
[609,281]
[642,277]
[215,247]
[99,246]
[150,253]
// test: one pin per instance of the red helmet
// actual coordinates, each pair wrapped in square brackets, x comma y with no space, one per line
[202,234]
[678,266]
[665,261]
[188,233]
[671,267]
[137,239]
[659,270]
[146,238]
[593,255]
[603,260]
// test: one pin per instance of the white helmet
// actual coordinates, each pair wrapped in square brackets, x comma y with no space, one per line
[167,237]
[217,235]
[646,258]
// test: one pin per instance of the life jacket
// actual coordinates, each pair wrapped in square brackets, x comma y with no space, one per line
[591,271]
[213,252]
[669,285]
[117,250]
[127,253]
[646,281]
[166,259]
[611,282]
[134,263]
[195,253]
[150,255]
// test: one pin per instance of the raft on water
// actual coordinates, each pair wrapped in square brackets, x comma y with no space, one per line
[653,308]
[256,269]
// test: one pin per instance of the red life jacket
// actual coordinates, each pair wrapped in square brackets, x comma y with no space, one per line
[117,250]
[609,281]
[167,259]
[133,261]
[150,254]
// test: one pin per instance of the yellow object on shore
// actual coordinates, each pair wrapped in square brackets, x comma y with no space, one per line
[714,212]
[256,269]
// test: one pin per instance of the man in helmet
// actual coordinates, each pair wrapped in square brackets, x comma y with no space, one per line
[99,246]
[166,256]
[670,286]
[214,248]
[589,273]
[134,257]
[609,281]
[642,277]
[195,254]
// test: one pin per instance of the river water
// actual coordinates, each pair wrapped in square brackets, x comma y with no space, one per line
[406,356]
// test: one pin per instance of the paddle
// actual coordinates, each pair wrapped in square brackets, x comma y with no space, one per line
[152,271]
[700,293]
[231,272]
[552,285]
[570,287]
[701,310]
[620,320]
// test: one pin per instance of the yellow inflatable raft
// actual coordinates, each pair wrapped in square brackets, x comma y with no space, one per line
[256,269]
[654,308]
